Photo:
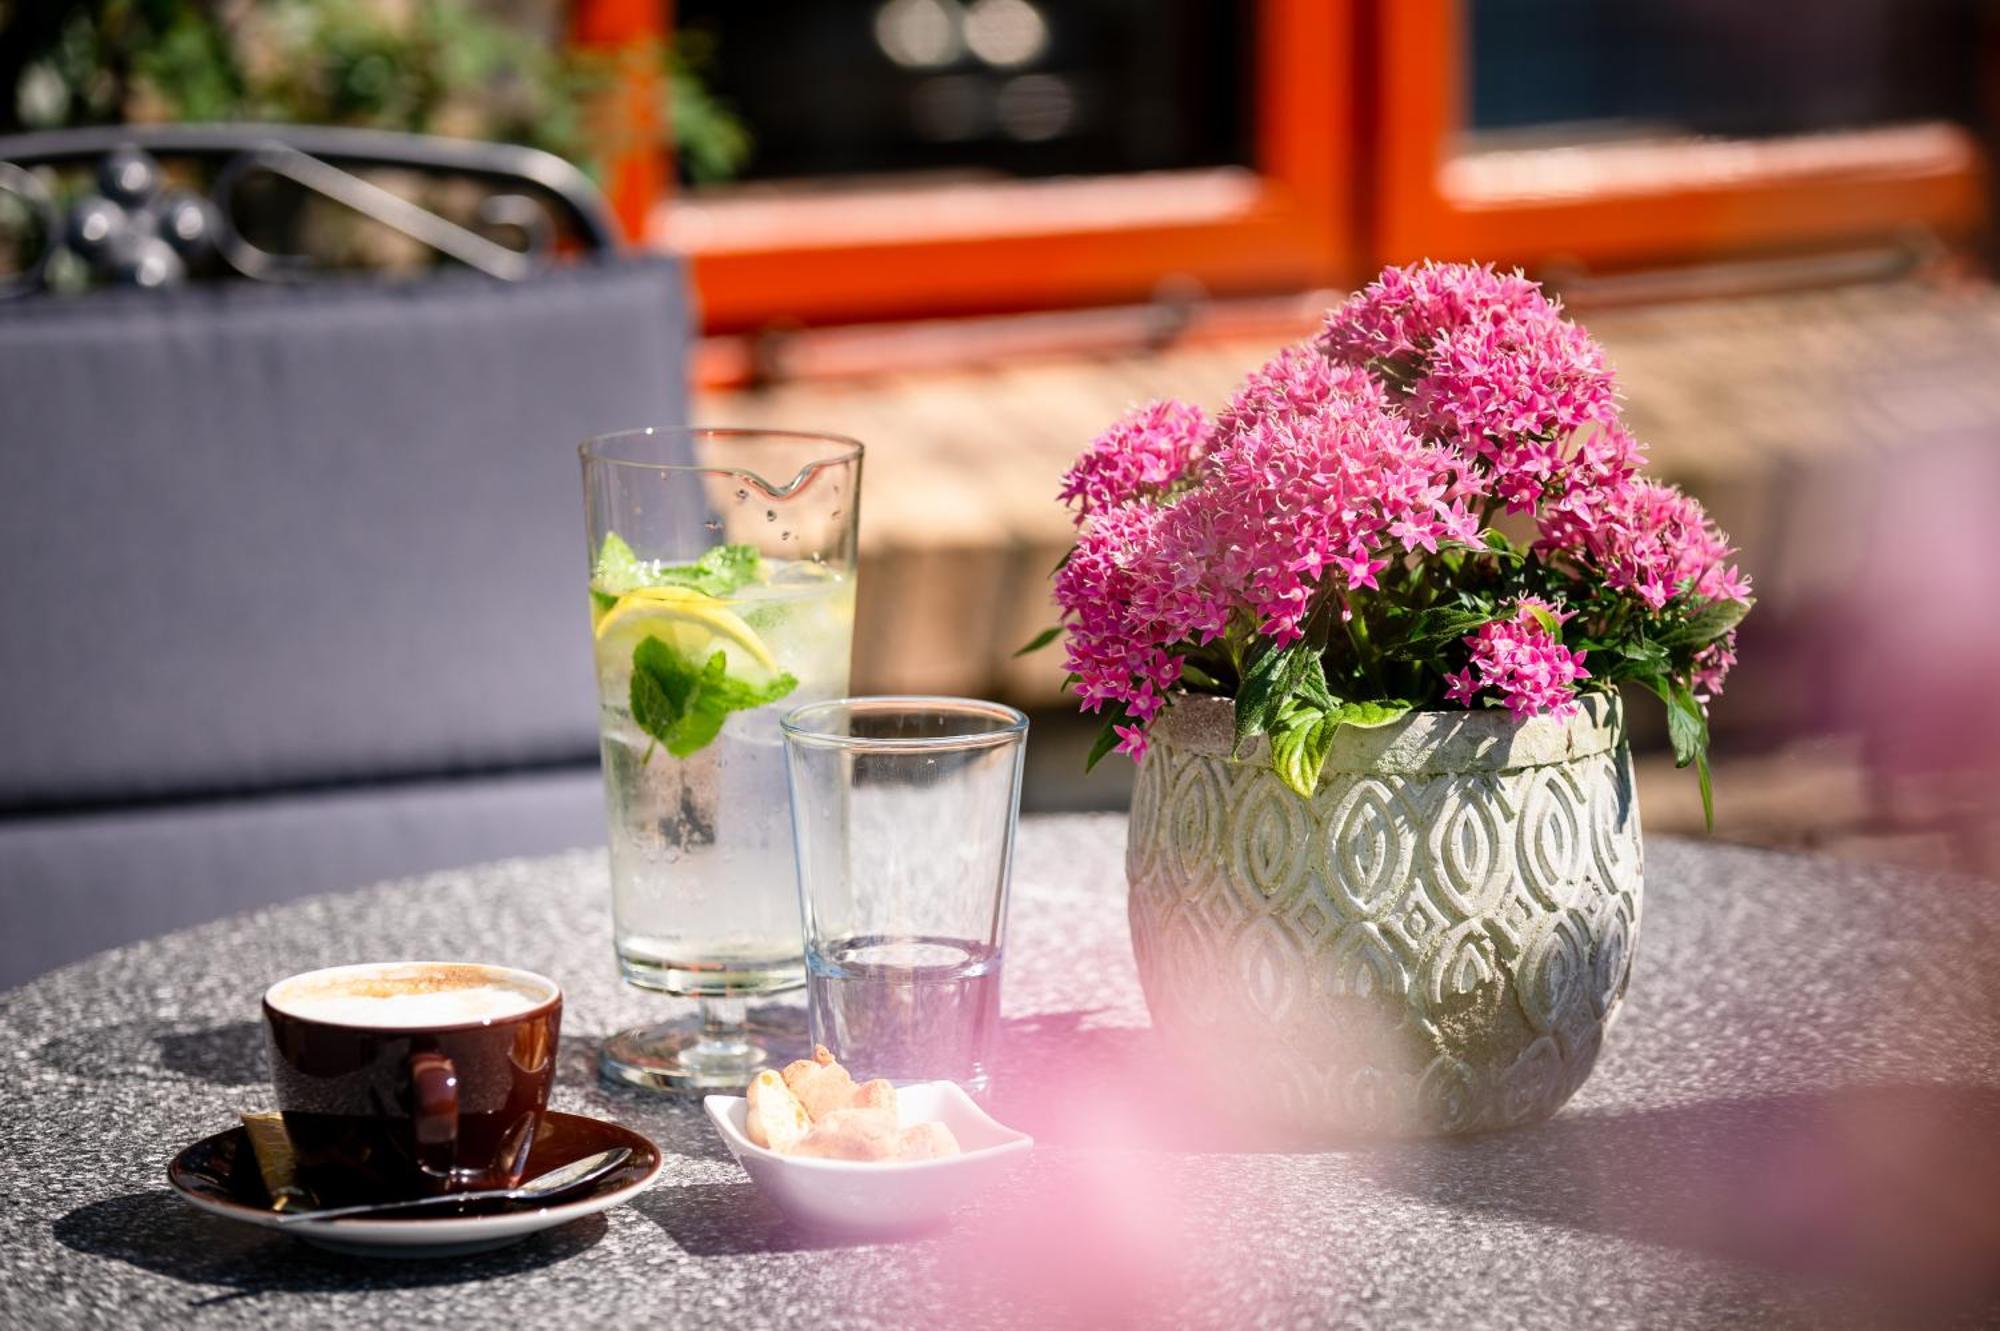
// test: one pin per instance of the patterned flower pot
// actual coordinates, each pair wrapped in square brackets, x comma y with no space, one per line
[1435,943]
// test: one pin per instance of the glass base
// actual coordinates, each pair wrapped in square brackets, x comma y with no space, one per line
[689,1057]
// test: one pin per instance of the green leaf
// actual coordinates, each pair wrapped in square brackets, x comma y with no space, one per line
[617,570]
[1707,789]
[1041,640]
[1705,625]
[660,689]
[1547,619]
[1496,543]
[682,705]
[1311,686]
[1370,715]
[722,571]
[1687,731]
[1440,625]
[1687,725]
[1107,738]
[1266,686]
[1195,677]
[1640,661]
[1306,730]
[1299,748]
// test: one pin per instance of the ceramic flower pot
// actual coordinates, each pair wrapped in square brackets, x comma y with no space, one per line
[1434,943]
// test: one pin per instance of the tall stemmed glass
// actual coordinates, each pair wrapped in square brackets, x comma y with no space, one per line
[721,597]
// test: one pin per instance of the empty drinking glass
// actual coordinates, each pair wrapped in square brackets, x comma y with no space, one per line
[904,812]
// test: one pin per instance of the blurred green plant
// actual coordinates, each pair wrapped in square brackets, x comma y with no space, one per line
[422,66]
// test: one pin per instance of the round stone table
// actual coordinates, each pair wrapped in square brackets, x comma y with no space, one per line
[1796,1122]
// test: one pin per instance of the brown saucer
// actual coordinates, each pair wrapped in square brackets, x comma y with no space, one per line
[219,1175]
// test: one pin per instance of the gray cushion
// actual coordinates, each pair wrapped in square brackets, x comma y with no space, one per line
[71,884]
[255,536]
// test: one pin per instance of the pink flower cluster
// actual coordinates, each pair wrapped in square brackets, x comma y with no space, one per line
[1651,540]
[1711,666]
[1431,400]
[1142,454]
[1486,362]
[1309,481]
[1340,487]
[1518,661]
[1116,652]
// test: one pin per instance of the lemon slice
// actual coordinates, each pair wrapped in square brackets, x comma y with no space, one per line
[693,624]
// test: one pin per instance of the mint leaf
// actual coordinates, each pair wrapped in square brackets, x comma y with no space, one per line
[682,705]
[720,572]
[618,570]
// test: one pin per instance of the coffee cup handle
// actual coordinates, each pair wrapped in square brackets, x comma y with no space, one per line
[434,1109]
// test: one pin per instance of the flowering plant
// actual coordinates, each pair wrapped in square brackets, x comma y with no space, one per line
[1431,504]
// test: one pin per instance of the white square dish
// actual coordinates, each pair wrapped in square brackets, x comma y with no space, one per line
[880,1198]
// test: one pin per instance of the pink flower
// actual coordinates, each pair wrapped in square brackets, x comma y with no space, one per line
[1711,666]
[1522,664]
[1144,452]
[1118,655]
[1486,362]
[1327,495]
[1298,381]
[1649,539]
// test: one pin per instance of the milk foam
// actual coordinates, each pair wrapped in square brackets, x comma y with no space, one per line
[412,997]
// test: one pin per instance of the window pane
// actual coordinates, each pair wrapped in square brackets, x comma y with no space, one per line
[1001,87]
[1741,68]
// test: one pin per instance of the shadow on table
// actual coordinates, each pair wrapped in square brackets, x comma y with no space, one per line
[1067,1082]
[231,1054]
[1892,1188]
[726,1220]
[157,1232]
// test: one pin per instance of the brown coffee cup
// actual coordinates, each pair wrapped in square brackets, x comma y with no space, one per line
[411,1079]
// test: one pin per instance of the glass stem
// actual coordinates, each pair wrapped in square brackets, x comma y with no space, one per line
[723,1030]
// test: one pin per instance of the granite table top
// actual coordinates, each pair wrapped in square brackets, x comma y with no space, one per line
[1796,1122]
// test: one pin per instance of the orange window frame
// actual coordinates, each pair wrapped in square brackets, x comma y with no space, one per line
[1285,223]
[1633,203]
